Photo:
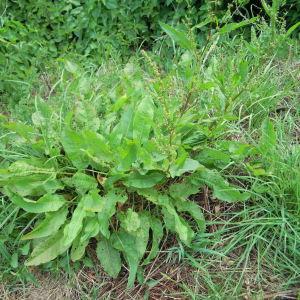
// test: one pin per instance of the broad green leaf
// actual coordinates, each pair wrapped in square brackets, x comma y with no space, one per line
[177,36]
[177,224]
[90,229]
[110,4]
[30,166]
[109,258]
[143,119]
[233,26]
[48,249]
[25,131]
[50,225]
[172,220]
[130,220]
[83,183]
[124,128]
[97,147]
[133,246]
[189,165]
[84,147]
[109,208]
[44,204]
[31,177]
[148,180]
[194,210]
[183,190]
[222,190]
[154,196]
[32,185]
[73,144]
[126,155]
[213,158]
[93,202]
[126,243]
[14,260]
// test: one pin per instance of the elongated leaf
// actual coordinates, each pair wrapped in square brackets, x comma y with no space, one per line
[125,242]
[90,229]
[133,246]
[143,119]
[72,229]
[45,204]
[33,185]
[109,258]
[233,26]
[194,210]
[177,224]
[124,128]
[109,208]
[268,137]
[157,234]
[172,220]
[50,225]
[292,29]
[177,36]
[222,190]
[48,250]
[144,181]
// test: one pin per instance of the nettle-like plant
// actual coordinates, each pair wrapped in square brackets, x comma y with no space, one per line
[122,177]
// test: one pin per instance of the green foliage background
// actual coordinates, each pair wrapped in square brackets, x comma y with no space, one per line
[32,33]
